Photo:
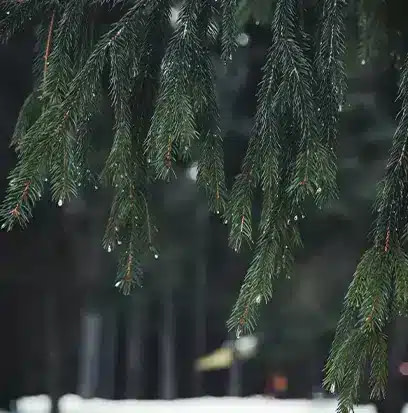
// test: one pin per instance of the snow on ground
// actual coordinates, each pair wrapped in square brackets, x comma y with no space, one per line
[259,404]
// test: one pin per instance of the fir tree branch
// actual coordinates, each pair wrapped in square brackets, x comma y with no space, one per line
[29,113]
[173,126]
[118,164]
[26,180]
[307,166]
[372,33]
[229,28]
[53,133]
[312,168]
[264,140]
[130,220]
[210,177]
[361,331]
[273,257]
[331,77]
[58,73]
[378,290]
[21,14]
[392,217]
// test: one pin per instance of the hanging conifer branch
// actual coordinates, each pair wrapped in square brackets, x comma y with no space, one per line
[20,14]
[264,140]
[331,80]
[286,92]
[210,176]
[120,164]
[59,70]
[29,113]
[32,107]
[229,29]
[130,225]
[378,290]
[372,33]
[173,127]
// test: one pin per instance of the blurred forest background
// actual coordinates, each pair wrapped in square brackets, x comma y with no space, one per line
[66,329]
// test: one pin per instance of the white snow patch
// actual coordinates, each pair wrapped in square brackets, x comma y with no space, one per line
[34,404]
[258,404]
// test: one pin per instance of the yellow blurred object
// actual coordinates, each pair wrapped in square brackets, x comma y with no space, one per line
[219,359]
[244,348]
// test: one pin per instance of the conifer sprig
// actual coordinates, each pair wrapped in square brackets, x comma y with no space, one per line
[21,14]
[361,333]
[229,29]
[372,33]
[331,81]
[186,113]
[264,140]
[378,291]
[289,168]
[29,113]
[173,127]
[58,72]
[210,174]
[130,224]
[392,218]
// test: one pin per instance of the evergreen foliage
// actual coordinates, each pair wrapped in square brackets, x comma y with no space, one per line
[160,84]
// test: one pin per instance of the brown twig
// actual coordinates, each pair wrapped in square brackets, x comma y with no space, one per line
[243,320]
[167,158]
[48,46]
[387,241]
[16,210]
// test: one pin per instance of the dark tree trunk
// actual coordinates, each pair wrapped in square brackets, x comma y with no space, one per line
[90,341]
[109,341]
[53,345]
[200,320]
[134,360]
[167,390]
[121,357]
[234,384]
[200,287]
